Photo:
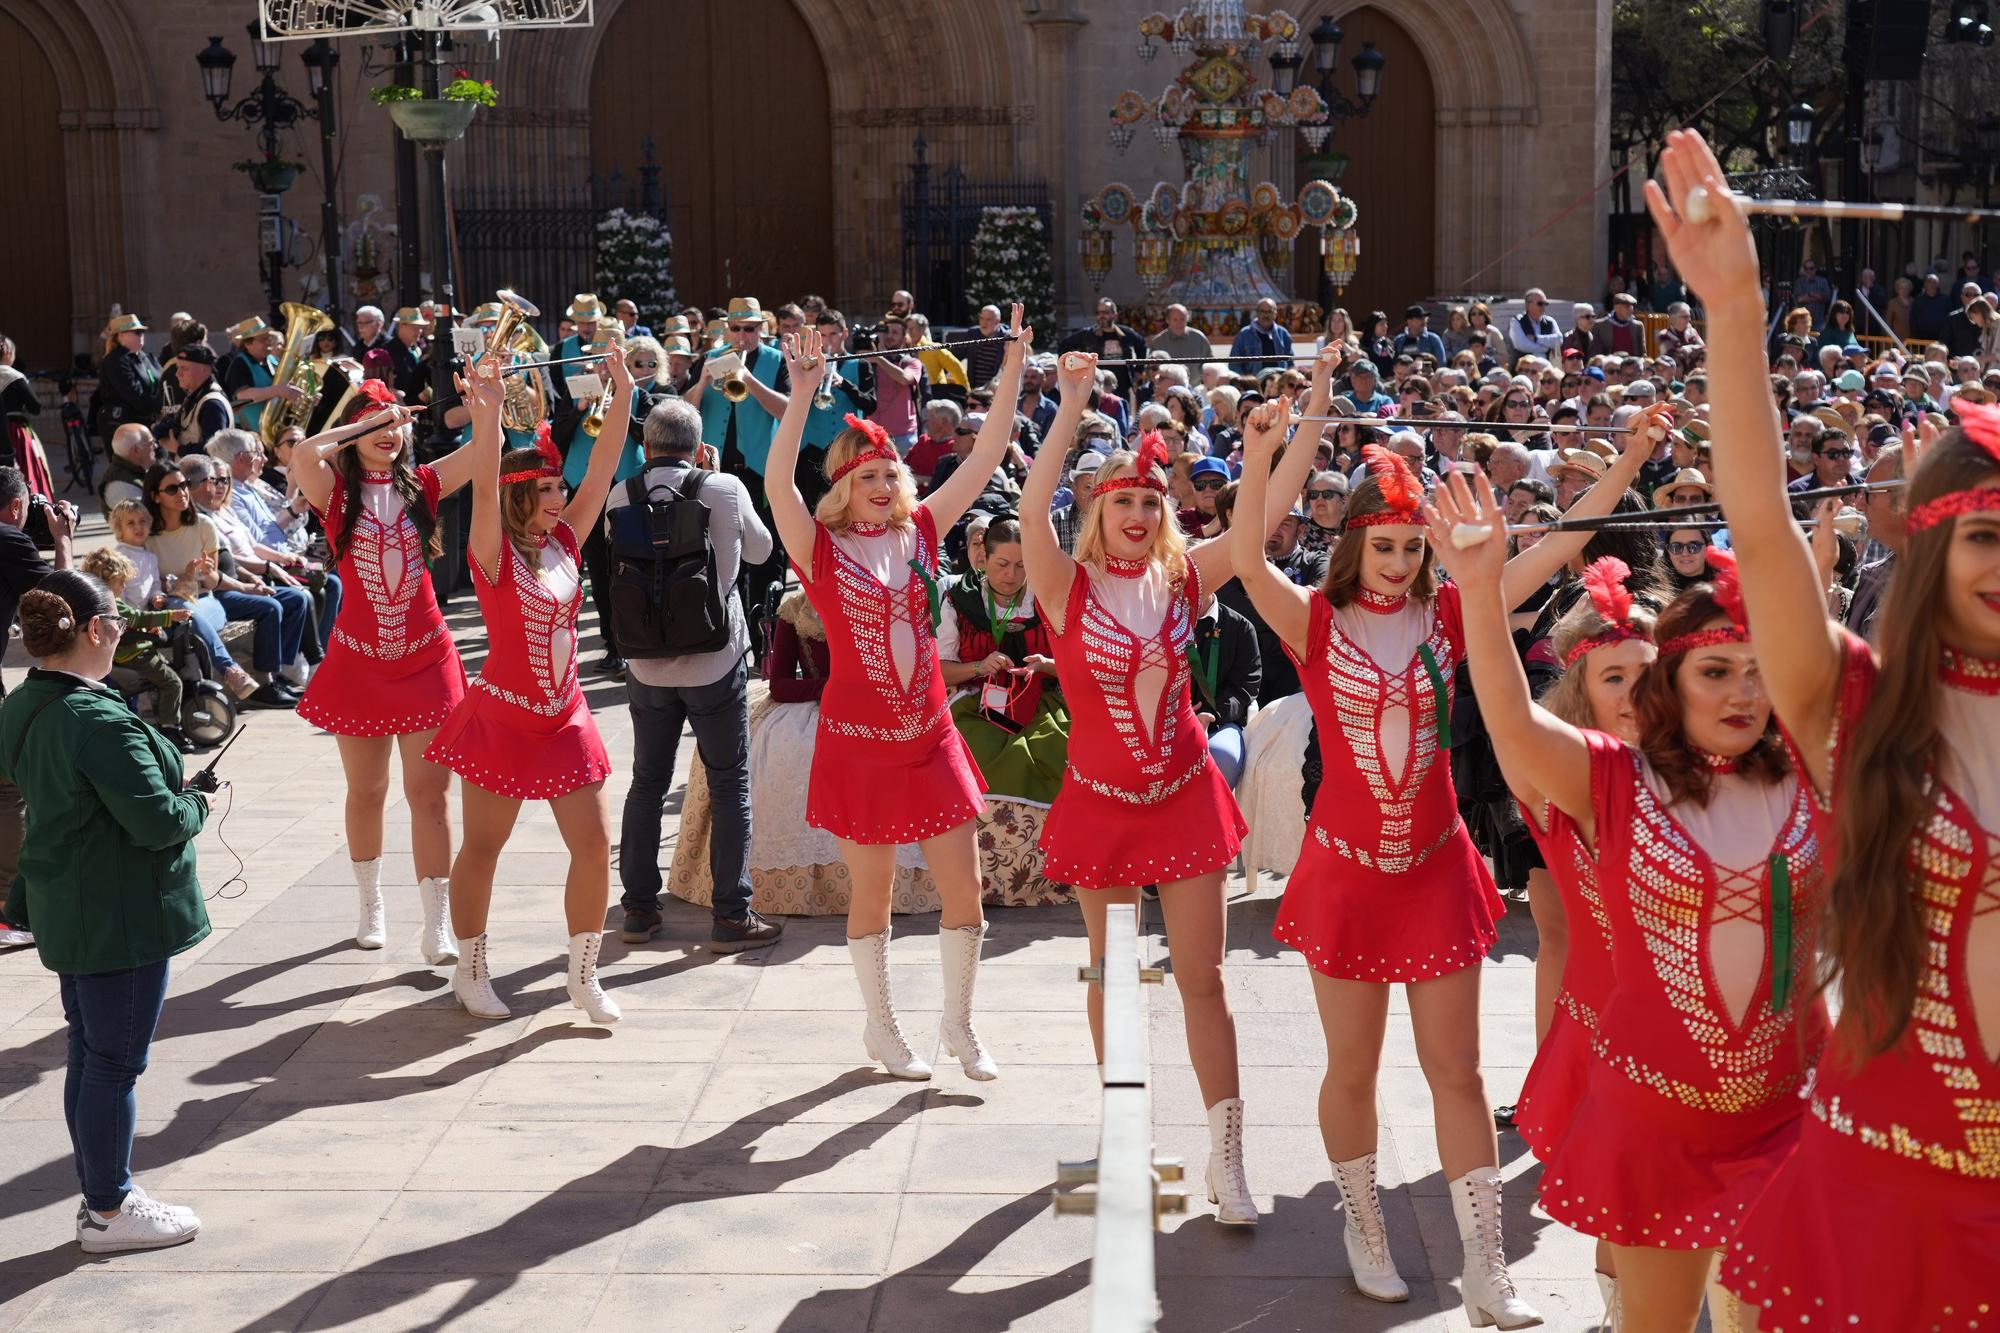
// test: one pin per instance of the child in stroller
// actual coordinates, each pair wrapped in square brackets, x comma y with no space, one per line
[191,711]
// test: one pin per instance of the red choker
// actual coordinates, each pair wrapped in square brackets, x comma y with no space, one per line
[1716,763]
[867,529]
[1370,600]
[1125,569]
[1974,675]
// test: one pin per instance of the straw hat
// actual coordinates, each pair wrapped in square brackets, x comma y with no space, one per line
[488,313]
[743,309]
[1829,417]
[677,347]
[585,308]
[124,324]
[1685,478]
[245,329]
[677,327]
[1591,465]
[409,314]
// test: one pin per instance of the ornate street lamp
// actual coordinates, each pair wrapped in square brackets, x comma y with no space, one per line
[216,61]
[1781,28]
[1799,128]
[1326,37]
[320,60]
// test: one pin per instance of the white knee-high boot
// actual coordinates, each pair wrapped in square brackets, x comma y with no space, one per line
[1490,1297]
[883,1035]
[373,930]
[436,942]
[958,947]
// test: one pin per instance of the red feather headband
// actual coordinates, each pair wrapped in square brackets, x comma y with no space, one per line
[1981,424]
[552,463]
[1152,455]
[377,392]
[879,446]
[1605,582]
[1729,596]
[1401,490]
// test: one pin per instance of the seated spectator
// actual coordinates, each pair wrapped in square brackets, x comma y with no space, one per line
[292,577]
[133,450]
[1207,476]
[1326,511]
[1278,676]
[940,422]
[141,649]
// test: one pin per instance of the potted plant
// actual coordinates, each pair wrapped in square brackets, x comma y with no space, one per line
[270,175]
[440,119]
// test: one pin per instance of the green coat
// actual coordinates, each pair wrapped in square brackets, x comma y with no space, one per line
[107,878]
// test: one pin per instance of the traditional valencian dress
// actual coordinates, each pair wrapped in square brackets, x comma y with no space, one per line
[1887,1216]
[1142,801]
[888,766]
[524,729]
[1388,885]
[390,666]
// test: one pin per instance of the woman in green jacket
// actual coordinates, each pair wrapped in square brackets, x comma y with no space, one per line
[107,883]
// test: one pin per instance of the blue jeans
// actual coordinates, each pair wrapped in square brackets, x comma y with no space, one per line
[111,1019]
[1225,746]
[280,619]
[207,623]
[720,715]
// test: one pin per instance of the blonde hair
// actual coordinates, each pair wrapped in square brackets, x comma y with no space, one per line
[1566,696]
[832,507]
[108,567]
[125,509]
[645,344]
[1169,543]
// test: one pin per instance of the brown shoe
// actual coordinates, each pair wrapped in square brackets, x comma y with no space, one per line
[749,931]
[641,924]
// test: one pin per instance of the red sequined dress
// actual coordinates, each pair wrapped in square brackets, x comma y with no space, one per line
[524,729]
[1692,1101]
[888,766]
[1887,1216]
[1141,801]
[1388,885]
[1556,1080]
[390,666]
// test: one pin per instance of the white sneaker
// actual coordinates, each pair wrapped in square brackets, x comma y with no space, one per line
[299,672]
[12,937]
[142,1224]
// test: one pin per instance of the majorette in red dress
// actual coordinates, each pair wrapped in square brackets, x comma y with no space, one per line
[524,729]
[390,667]
[1691,1104]
[1556,1080]
[1388,885]
[1141,801]
[888,766]
[1887,1215]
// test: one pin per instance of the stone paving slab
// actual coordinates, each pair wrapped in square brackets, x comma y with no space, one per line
[364,1156]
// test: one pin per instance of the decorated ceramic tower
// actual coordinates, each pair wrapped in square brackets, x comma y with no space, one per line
[1214,242]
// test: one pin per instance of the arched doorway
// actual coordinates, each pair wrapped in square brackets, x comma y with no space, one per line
[1391,174]
[734,95]
[33,208]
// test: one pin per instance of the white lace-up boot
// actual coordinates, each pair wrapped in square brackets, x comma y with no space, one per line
[472,981]
[1490,1297]
[1607,1287]
[959,948]
[883,1035]
[1366,1234]
[373,930]
[1228,1190]
[584,992]
[436,942]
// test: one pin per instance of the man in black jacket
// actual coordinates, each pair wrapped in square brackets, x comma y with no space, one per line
[1112,341]
[1305,568]
[1225,666]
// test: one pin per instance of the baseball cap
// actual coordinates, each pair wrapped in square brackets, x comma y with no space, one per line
[972,421]
[1203,467]
[1594,373]
[1850,381]
[201,352]
[1087,464]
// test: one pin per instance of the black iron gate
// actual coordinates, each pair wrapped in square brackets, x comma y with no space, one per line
[939,218]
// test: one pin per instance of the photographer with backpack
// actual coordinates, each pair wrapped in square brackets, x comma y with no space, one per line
[679,537]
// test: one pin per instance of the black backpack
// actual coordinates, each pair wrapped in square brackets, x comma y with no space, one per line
[666,598]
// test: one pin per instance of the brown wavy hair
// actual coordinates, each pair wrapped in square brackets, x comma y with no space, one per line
[347,470]
[1343,562]
[1875,937]
[1656,702]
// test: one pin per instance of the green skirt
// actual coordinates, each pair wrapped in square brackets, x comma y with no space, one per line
[1024,767]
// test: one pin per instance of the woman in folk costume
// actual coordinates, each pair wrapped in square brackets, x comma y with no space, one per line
[1887,1214]
[524,730]
[1388,887]
[998,657]
[391,675]
[1142,802]
[1604,644]
[1711,876]
[888,766]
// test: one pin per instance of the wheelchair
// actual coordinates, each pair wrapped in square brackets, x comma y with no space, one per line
[208,711]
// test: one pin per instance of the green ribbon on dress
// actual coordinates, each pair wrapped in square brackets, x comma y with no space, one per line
[1440,696]
[1781,932]
[933,596]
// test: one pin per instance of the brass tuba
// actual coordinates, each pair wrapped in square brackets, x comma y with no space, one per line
[302,325]
[524,407]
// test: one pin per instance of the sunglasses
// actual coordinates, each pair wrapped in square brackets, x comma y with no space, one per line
[964,432]
[746,328]
[1208,483]
[1837,455]
[1324,495]
[177,488]
[1687,548]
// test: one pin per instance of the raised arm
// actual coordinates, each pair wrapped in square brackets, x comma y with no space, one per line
[586,506]
[1215,558]
[1537,750]
[1051,571]
[311,470]
[802,351]
[485,536]
[1538,564]
[1285,607]
[1798,648]
[950,500]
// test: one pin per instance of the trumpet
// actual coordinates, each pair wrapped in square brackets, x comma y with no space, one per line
[823,400]
[726,370]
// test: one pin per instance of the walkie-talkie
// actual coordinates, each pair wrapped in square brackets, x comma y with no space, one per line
[205,781]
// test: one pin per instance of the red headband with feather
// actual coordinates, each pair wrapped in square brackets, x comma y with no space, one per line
[879,446]
[1146,467]
[1604,580]
[1729,596]
[1401,490]
[552,461]
[1980,423]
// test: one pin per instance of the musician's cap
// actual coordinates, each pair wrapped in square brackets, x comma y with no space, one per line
[677,347]
[488,313]
[409,314]
[585,308]
[1625,298]
[676,327]
[245,329]
[743,309]
[199,352]
[124,324]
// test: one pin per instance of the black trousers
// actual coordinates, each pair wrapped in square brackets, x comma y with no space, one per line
[597,569]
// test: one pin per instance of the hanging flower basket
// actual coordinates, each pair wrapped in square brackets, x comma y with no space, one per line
[270,175]
[432,122]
